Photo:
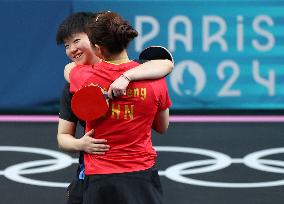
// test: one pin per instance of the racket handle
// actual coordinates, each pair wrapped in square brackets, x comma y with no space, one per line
[112,94]
[106,95]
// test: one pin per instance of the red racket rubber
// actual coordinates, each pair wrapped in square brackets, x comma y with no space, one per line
[89,103]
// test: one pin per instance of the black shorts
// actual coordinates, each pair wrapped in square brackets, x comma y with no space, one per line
[141,187]
[74,192]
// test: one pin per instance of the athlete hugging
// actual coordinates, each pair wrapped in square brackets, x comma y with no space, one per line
[118,146]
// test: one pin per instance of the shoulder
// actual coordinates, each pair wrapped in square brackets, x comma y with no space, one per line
[79,68]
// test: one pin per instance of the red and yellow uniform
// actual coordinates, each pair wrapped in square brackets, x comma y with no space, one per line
[127,124]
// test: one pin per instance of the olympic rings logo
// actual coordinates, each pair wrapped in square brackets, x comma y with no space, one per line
[178,172]
[220,161]
[16,172]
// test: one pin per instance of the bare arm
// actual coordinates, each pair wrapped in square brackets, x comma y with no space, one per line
[153,69]
[65,136]
[161,121]
[68,142]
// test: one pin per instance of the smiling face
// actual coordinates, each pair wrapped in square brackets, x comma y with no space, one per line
[79,49]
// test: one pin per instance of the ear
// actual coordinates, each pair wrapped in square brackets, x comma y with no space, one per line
[102,52]
[98,51]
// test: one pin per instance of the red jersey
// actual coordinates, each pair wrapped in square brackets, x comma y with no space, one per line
[79,75]
[127,124]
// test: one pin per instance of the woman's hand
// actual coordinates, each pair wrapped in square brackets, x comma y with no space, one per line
[93,146]
[118,87]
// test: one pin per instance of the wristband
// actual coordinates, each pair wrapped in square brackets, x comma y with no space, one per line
[125,77]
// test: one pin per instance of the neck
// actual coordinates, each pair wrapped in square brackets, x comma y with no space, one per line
[95,60]
[119,58]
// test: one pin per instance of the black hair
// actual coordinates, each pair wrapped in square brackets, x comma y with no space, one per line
[111,31]
[75,23]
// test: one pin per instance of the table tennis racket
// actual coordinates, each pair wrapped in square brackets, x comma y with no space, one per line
[156,52]
[89,102]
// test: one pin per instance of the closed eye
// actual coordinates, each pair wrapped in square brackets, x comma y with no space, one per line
[76,40]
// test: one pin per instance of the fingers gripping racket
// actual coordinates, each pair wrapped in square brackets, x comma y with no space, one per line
[156,52]
[89,103]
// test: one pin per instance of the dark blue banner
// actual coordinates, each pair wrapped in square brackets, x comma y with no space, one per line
[31,63]
[228,54]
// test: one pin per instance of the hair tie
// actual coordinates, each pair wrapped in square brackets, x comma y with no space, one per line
[101,14]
